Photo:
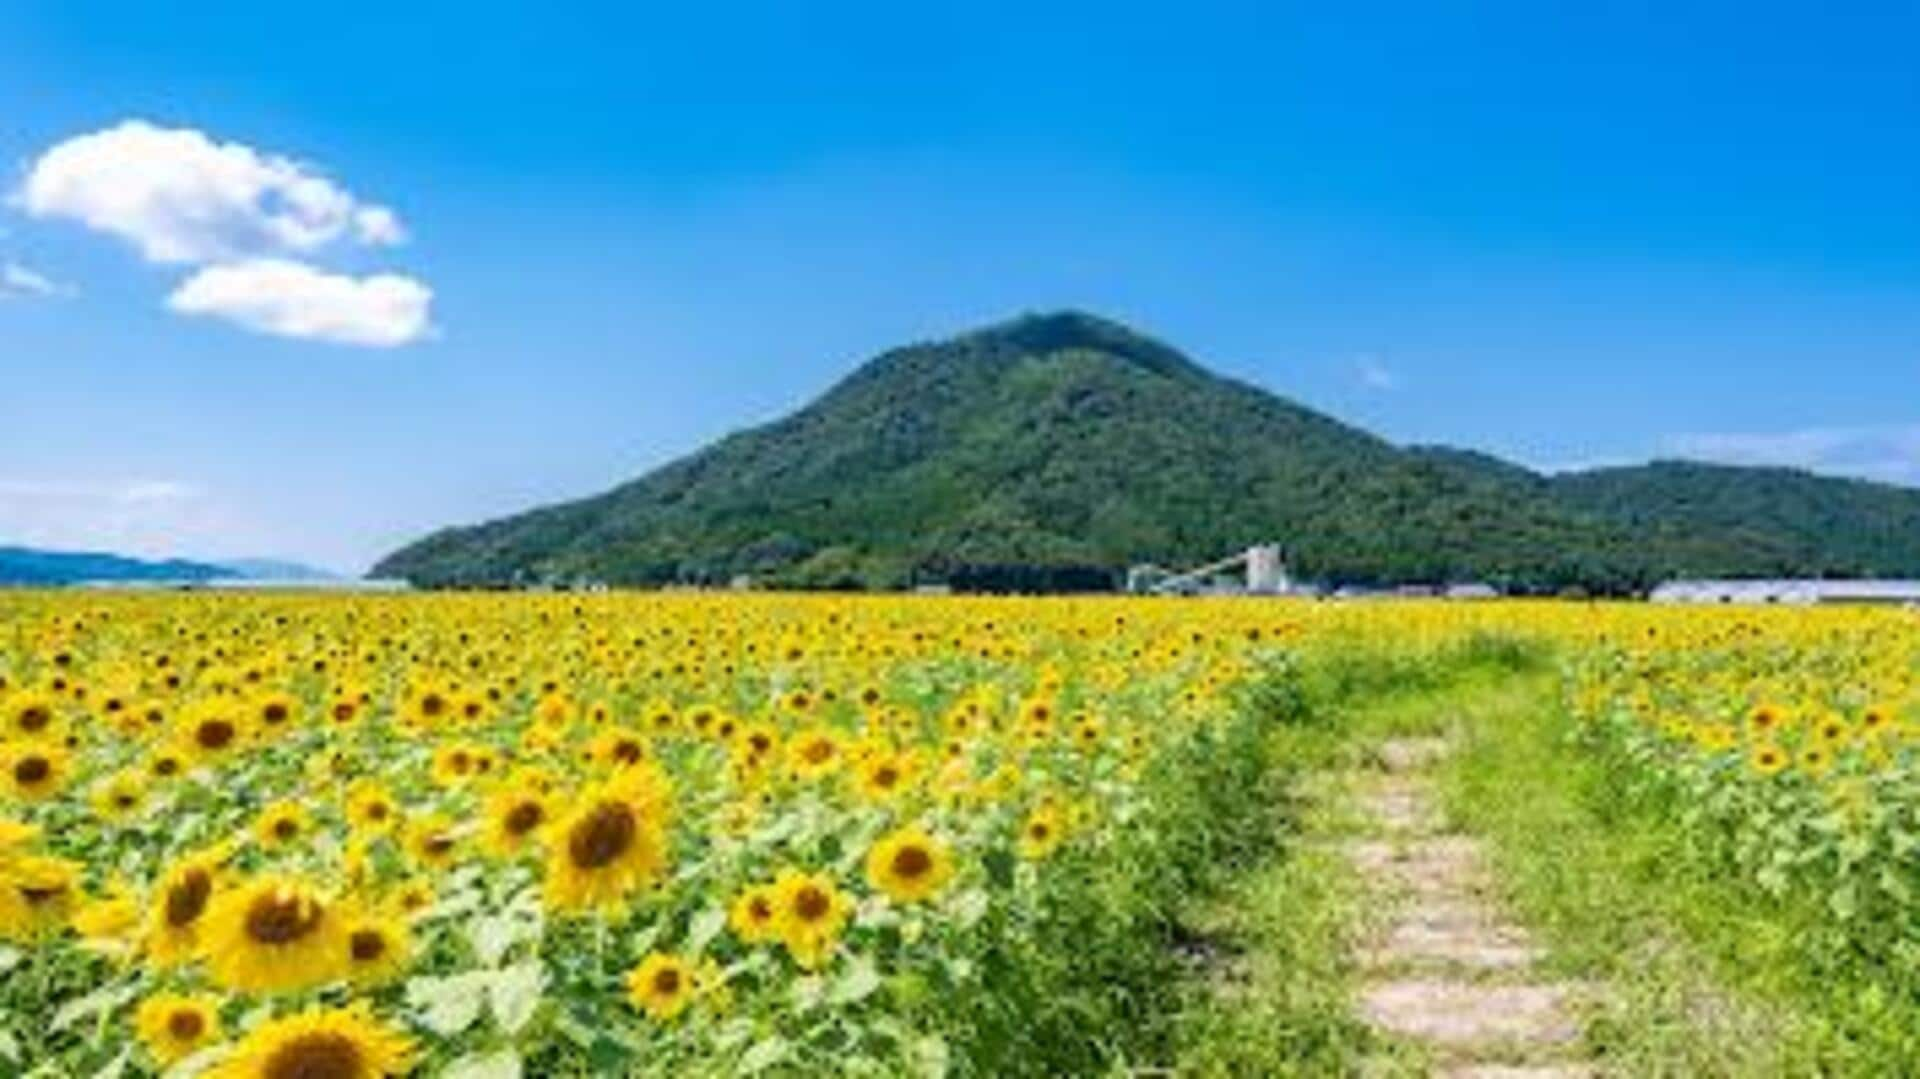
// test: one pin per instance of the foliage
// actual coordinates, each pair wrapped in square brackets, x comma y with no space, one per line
[1052,452]
[538,805]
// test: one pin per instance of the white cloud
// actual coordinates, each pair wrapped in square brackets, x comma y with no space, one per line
[1374,374]
[141,517]
[292,299]
[181,197]
[18,280]
[1886,453]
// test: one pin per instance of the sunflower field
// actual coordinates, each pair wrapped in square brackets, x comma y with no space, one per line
[289,836]
[294,836]
[1787,743]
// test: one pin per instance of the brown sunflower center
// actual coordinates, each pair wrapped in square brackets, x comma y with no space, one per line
[603,835]
[318,1055]
[818,752]
[627,752]
[35,718]
[367,945]
[886,776]
[186,1026]
[281,918]
[274,713]
[214,734]
[187,899]
[524,818]
[286,828]
[811,904]
[36,894]
[666,982]
[912,862]
[432,706]
[32,769]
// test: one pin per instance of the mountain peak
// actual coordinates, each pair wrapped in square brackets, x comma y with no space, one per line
[1071,330]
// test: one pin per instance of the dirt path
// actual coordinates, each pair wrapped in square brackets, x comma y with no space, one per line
[1445,970]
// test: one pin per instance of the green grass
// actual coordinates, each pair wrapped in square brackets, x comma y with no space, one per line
[1276,996]
[1699,972]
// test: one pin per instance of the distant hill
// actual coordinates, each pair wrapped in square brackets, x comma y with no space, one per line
[274,569]
[26,566]
[1053,451]
[1771,521]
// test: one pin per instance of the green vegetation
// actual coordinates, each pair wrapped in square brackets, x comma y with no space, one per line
[1705,973]
[1274,947]
[1051,452]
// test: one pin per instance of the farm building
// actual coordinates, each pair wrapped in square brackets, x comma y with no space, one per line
[1797,592]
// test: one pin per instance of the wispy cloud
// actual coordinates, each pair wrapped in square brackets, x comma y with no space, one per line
[17,280]
[1890,454]
[1374,374]
[153,517]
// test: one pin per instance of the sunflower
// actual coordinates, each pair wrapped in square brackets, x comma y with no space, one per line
[38,894]
[275,712]
[1766,758]
[1833,730]
[108,923]
[434,841]
[370,809]
[1816,759]
[618,747]
[118,798]
[32,717]
[662,986]
[320,1043]
[909,865]
[814,753]
[811,912]
[412,896]
[213,731]
[175,1026]
[610,843]
[166,762]
[377,947]
[754,915]
[661,719]
[1042,832]
[281,824]
[273,934]
[517,818]
[179,908]
[454,764]
[428,707]
[884,776]
[33,772]
[15,835]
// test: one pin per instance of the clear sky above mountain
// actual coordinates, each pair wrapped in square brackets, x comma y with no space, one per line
[311,284]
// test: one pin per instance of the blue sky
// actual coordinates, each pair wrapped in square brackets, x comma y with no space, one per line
[615,234]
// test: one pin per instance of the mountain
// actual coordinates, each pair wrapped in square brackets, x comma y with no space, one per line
[1785,521]
[274,569]
[27,566]
[1051,452]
